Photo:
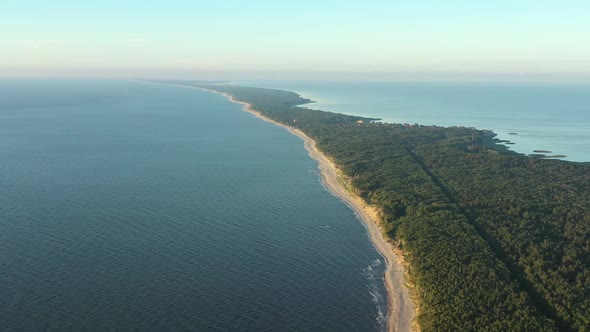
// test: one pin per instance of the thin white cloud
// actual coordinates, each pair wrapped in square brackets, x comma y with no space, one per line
[136,40]
[34,43]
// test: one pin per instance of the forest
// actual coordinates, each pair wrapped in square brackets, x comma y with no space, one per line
[494,240]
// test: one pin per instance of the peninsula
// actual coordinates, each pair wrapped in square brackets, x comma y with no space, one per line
[489,239]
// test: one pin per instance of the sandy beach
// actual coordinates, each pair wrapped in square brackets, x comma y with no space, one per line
[400,306]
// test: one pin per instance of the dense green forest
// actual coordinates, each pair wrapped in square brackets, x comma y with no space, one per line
[495,241]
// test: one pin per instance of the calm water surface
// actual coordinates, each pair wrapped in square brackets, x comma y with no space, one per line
[134,206]
[545,116]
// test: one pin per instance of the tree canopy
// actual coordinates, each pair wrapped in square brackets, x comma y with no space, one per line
[495,240]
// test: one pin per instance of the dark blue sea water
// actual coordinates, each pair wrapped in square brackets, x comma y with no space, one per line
[133,206]
[544,116]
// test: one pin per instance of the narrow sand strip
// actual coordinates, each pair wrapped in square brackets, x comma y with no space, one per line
[400,307]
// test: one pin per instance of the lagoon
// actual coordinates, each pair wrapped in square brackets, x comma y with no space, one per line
[533,116]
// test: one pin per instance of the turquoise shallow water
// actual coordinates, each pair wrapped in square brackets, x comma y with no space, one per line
[544,116]
[135,206]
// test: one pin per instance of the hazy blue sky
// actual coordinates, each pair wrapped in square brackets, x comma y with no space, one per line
[258,38]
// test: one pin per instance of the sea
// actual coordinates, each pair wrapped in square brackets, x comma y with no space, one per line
[134,206]
[528,116]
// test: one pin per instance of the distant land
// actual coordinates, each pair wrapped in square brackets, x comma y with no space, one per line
[492,240]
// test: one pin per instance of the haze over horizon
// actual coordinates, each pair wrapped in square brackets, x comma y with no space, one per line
[304,39]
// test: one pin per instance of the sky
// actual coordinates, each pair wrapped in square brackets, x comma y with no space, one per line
[252,39]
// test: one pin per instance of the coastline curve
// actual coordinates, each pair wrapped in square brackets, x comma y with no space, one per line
[400,313]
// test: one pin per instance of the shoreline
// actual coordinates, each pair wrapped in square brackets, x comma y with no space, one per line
[421,160]
[400,307]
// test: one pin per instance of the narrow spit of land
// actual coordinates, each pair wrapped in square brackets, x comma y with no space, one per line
[400,308]
[491,240]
